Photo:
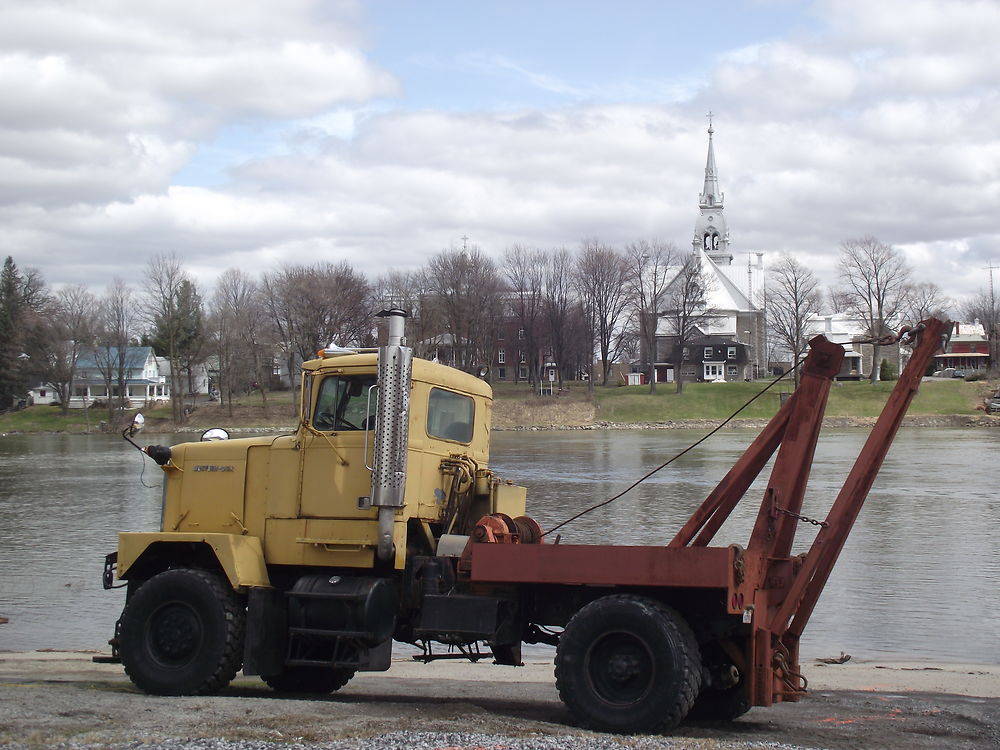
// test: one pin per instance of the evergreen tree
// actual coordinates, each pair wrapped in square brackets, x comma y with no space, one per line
[21,296]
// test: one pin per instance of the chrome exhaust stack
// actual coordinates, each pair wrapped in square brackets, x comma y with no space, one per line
[392,423]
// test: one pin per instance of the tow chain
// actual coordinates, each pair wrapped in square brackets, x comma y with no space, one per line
[909,333]
[800,517]
[787,674]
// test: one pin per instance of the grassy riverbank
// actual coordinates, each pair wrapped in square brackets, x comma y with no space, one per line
[517,406]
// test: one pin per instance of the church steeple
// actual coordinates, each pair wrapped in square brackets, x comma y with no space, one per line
[711,195]
[711,235]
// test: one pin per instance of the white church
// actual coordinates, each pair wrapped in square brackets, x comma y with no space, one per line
[731,344]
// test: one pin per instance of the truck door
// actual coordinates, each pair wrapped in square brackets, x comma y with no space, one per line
[335,478]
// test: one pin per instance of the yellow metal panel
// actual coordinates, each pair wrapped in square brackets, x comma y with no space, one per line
[509,499]
[241,557]
[255,493]
[334,475]
[321,541]
[283,477]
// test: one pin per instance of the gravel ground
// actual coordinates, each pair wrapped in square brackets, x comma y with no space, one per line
[58,700]
[438,741]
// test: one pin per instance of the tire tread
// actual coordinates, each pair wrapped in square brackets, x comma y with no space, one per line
[690,675]
[231,659]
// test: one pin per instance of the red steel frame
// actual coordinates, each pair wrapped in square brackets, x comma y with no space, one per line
[775,593]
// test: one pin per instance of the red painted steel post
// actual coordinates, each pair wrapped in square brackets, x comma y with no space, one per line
[774,530]
[792,616]
[712,513]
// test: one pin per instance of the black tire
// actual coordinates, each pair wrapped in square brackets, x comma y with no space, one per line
[721,705]
[308,680]
[628,664]
[182,633]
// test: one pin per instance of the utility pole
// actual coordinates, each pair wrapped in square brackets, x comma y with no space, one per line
[992,333]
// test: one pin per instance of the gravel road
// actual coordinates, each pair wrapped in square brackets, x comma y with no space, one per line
[62,700]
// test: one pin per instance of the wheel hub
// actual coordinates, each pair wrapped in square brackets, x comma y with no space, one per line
[623,667]
[175,633]
[620,668]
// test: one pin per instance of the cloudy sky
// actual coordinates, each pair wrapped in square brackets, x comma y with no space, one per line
[250,133]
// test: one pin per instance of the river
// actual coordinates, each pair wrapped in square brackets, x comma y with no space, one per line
[919,577]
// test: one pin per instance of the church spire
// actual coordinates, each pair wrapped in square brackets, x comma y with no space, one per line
[711,235]
[711,196]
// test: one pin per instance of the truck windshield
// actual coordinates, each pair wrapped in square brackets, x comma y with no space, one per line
[343,404]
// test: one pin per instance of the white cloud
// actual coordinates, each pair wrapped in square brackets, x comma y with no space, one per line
[884,122]
[125,91]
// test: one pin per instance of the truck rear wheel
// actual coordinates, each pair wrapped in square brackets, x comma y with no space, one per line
[627,663]
[182,633]
[308,679]
[721,705]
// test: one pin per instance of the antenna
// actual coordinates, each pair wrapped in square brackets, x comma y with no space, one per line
[990,267]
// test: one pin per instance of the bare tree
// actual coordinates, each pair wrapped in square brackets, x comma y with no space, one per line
[876,277]
[117,321]
[602,279]
[686,310]
[839,300]
[525,272]
[793,295]
[465,297]
[165,279]
[557,297]
[926,300]
[405,290]
[239,337]
[312,306]
[649,267]
[71,321]
[984,308]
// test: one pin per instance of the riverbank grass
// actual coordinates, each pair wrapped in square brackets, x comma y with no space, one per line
[716,401]
[515,405]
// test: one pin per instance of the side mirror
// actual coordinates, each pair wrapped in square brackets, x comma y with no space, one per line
[138,422]
[215,433]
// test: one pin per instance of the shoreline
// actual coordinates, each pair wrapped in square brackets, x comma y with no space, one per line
[978,420]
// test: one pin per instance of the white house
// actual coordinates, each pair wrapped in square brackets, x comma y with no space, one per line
[848,332]
[144,381]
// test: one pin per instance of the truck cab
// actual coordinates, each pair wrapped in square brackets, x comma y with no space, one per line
[322,536]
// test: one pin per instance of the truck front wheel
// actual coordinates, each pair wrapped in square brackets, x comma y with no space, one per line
[182,633]
[628,663]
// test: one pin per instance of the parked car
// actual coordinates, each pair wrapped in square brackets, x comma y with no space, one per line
[958,374]
[994,405]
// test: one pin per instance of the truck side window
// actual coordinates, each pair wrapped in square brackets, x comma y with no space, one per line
[342,404]
[449,416]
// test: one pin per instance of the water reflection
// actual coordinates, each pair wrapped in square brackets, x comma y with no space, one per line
[917,578]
